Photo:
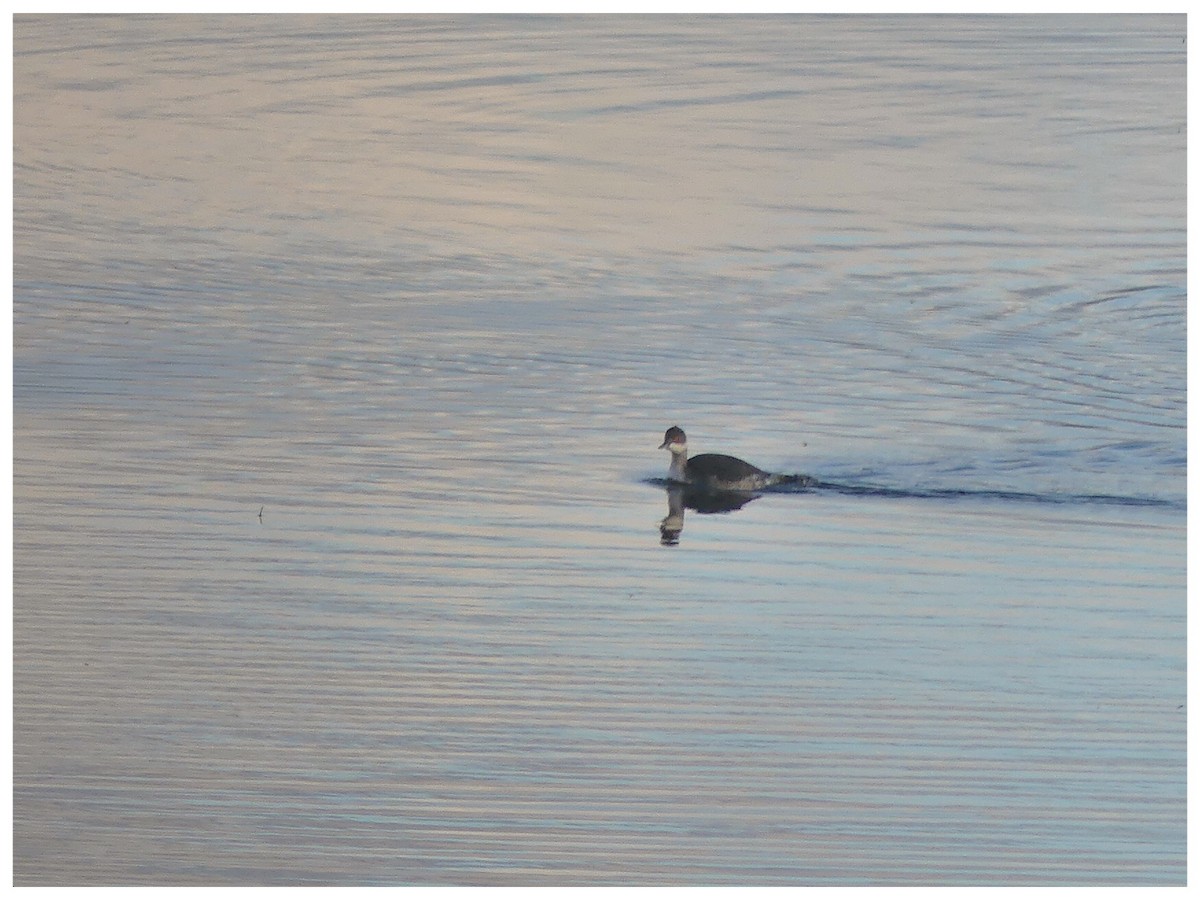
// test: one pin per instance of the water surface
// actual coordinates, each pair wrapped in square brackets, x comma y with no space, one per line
[342,346]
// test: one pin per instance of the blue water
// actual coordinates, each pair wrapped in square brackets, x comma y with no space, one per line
[342,348]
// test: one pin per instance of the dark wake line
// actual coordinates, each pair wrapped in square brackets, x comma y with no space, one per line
[872,490]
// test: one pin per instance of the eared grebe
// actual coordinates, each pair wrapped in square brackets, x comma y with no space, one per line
[715,471]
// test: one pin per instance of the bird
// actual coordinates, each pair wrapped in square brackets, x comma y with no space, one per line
[717,471]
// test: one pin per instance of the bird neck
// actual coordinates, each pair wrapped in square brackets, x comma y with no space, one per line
[678,471]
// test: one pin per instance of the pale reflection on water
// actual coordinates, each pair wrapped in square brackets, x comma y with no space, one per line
[426,292]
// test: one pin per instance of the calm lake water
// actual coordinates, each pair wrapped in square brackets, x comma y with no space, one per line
[342,351]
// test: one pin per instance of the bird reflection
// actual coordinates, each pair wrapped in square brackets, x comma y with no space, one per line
[683,497]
